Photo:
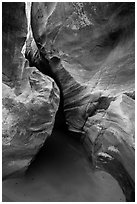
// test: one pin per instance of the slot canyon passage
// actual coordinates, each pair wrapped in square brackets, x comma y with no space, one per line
[68,101]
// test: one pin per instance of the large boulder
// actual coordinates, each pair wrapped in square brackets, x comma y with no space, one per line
[28,119]
[88,48]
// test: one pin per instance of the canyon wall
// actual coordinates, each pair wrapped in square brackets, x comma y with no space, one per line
[88,48]
[88,52]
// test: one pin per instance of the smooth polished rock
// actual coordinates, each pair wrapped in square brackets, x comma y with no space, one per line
[28,119]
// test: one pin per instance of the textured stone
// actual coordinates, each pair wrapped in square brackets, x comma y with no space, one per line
[28,119]
[109,140]
[90,50]
[95,56]
[30,99]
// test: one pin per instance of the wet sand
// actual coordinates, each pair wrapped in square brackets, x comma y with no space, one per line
[61,172]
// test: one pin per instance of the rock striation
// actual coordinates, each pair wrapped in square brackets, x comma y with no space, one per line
[88,48]
[30,99]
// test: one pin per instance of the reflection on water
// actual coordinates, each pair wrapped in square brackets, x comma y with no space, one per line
[61,172]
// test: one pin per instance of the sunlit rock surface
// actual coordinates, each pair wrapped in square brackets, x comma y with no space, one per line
[88,48]
[29,98]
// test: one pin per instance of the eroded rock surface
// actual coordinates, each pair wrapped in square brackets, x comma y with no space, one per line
[28,120]
[30,99]
[88,48]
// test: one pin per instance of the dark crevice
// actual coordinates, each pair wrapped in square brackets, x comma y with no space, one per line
[131,94]
[102,104]
[44,66]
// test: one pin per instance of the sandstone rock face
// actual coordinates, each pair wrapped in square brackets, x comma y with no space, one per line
[92,53]
[90,50]
[28,120]
[30,99]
